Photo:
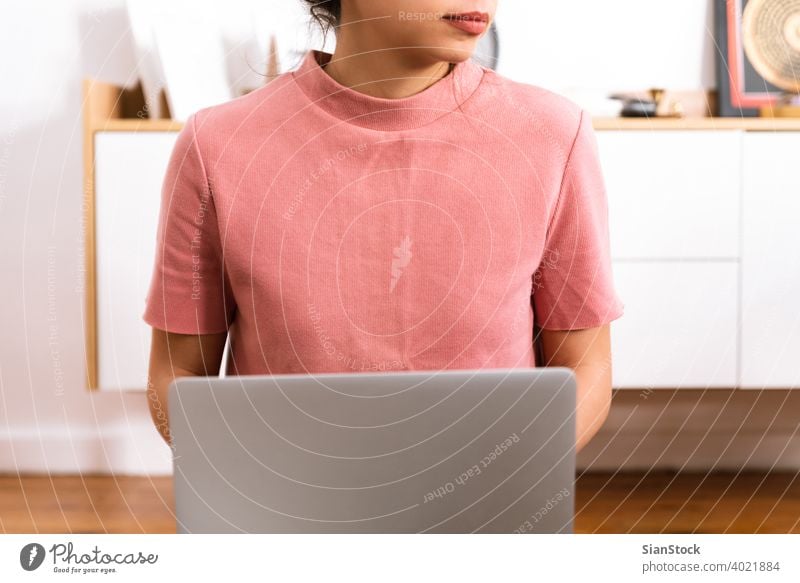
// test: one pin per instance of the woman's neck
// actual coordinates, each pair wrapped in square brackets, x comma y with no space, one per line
[389,73]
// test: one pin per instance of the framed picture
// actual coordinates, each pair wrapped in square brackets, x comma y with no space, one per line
[181,52]
[192,55]
[141,15]
[742,90]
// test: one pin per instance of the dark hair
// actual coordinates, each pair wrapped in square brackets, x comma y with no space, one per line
[327,13]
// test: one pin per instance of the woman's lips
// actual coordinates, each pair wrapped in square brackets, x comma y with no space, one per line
[471,22]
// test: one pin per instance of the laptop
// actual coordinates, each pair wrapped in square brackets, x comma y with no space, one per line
[451,451]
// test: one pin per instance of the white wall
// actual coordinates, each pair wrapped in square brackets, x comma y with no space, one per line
[48,421]
[47,417]
[608,44]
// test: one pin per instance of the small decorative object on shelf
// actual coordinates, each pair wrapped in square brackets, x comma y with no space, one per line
[787,106]
[771,31]
[657,102]
[633,106]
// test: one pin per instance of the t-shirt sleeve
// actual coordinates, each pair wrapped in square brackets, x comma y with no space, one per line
[189,291]
[573,287]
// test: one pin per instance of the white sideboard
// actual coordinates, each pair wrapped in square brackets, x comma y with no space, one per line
[705,238]
[129,169]
[770,332]
[674,217]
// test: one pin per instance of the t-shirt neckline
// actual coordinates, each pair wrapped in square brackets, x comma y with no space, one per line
[357,108]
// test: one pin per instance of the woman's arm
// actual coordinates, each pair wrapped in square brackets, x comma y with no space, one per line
[588,353]
[178,355]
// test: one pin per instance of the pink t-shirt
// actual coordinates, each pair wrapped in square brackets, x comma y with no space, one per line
[334,231]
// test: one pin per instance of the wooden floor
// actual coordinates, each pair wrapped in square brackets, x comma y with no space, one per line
[604,503]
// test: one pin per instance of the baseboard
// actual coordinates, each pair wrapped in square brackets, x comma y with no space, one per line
[128,450]
[692,452]
[698,430]
[684,430]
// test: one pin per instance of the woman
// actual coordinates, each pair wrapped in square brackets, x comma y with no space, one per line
[392,206]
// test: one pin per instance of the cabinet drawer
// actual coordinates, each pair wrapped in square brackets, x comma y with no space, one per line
[680,324]
[771,261]
[672,194]
[129,171]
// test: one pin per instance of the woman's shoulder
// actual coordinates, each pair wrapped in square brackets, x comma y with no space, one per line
[531,106]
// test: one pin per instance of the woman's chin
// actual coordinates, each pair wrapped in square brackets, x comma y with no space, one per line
[453,53]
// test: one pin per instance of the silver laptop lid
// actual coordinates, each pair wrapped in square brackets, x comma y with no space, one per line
[422,451]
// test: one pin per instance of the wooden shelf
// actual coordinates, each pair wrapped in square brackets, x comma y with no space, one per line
[761,124]
[109,108]
[136,125]
[757,124]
